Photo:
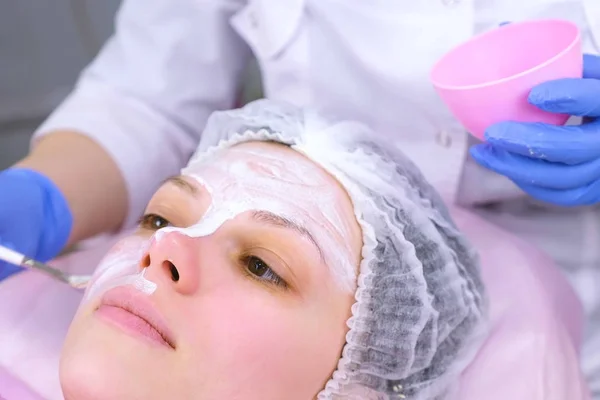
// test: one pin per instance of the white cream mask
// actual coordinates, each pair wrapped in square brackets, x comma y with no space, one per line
[239,179]
[121,267]
[253,177]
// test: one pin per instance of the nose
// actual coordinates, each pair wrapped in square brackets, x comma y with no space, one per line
[171,260]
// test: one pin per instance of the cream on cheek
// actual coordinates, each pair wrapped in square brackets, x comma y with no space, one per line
[120,267]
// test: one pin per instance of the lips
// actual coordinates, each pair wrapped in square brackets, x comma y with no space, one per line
[133,312]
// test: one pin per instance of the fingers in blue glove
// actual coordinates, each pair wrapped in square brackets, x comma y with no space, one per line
[591,66]
[536,172]
[564,144]
[582,196]
[7,270]
[573,96]
[557,164]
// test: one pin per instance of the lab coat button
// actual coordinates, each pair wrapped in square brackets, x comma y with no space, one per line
[253,20]
[443,139]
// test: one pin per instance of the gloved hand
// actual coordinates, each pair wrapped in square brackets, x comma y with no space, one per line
[34,216]
[555,164]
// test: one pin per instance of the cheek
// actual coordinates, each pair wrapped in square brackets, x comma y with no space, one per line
[244,327]
[99,362]
[265,343]
[128,250]
[122,260]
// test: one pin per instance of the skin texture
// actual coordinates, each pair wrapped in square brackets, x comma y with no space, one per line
[95,190]
[255,314]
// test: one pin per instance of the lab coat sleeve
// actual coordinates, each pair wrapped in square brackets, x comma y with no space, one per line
[147,95]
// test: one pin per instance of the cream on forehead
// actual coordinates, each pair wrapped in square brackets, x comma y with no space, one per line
[253,178]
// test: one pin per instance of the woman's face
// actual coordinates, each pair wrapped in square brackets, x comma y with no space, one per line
[250,311]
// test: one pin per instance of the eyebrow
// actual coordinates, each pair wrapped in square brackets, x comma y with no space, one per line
[265,217]
[183,184]
[269,218]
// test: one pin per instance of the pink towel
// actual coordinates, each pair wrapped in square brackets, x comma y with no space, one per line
[33,324]
[531,353]
[12,388]
[536,321]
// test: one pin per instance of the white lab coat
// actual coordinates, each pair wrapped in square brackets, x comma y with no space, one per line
[172,62]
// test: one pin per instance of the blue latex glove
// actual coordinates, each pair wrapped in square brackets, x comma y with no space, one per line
[34,216]
[555,164]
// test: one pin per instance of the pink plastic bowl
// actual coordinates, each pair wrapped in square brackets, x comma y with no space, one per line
[488,78]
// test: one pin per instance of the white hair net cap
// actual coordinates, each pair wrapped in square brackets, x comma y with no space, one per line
[419,314]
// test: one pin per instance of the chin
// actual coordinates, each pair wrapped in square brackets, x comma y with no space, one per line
[84,377]
[99,363]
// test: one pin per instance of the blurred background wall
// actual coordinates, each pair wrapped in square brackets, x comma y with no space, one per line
[43,47]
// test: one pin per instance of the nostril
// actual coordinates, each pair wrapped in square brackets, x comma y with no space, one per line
[145,262]
[173,270]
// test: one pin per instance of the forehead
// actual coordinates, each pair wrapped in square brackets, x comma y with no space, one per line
[271,171]
[275,178]
[266,160]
